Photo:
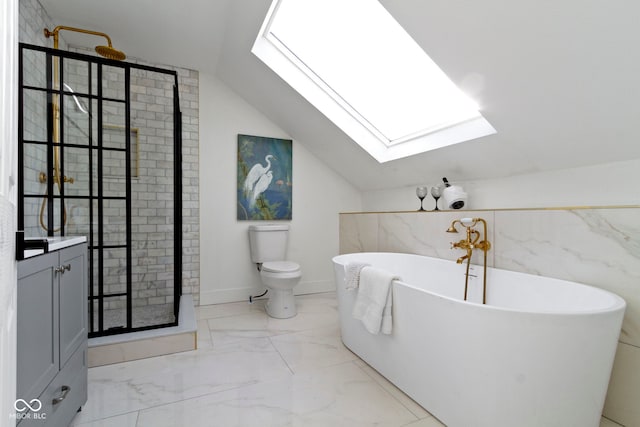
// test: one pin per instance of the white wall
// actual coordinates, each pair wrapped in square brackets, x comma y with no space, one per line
[319,194]
[8,178]
[610,184]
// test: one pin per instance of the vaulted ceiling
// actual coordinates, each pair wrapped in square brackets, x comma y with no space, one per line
[559,80]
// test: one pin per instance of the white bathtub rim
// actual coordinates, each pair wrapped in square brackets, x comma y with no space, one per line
[618,303]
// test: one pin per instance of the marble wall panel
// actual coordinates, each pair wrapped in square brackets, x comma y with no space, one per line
[358,233]
[598,247]
[424,233]
[623,395]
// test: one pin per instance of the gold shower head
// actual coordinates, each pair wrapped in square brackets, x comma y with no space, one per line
[111,53]
[106,51]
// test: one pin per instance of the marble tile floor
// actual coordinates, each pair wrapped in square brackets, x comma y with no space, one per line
[253,370]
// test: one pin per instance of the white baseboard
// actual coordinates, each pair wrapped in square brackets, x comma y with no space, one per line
[315,287]
[221,296]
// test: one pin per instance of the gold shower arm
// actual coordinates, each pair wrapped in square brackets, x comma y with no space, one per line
[106,51]
[55,31]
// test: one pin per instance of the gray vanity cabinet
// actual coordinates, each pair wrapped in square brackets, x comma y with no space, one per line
[52,336]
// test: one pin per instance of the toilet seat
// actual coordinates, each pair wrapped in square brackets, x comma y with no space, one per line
[280,267]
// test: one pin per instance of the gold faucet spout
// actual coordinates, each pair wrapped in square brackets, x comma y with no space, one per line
[462,258]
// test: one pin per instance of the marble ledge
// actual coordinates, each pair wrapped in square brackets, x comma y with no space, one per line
[552,208]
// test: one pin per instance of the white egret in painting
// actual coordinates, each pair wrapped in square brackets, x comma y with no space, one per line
[260,187]
[255,173]
[263,178]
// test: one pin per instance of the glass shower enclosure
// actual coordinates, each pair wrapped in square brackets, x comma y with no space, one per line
[100,156]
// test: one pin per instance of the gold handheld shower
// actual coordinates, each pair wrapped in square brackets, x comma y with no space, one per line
[108,52]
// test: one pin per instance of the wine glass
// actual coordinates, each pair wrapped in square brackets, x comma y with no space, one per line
[422,192]
[436,192]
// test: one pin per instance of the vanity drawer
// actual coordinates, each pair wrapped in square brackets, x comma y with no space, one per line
[69,388]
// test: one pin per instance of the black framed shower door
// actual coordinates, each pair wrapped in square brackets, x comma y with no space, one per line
[99,155]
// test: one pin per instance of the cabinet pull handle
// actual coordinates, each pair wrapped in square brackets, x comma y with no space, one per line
[65,389]
[62,268]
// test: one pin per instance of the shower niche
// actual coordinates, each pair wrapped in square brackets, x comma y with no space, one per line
[99,155]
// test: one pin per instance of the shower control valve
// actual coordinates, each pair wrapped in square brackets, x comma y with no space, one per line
[42,177]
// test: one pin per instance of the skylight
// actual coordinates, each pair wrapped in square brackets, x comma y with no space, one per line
[359,67]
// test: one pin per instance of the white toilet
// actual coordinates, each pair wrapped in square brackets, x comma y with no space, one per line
[268,245]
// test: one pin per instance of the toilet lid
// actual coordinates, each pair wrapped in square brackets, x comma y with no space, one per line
[280,266]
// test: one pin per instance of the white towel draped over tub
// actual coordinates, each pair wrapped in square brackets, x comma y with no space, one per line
[352,274]
[374,300]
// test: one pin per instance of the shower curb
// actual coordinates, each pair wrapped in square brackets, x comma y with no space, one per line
[120,348]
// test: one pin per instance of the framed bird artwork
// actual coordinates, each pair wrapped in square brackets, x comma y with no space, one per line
[264,178]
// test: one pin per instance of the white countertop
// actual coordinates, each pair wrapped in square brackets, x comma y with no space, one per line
[55,243]
[28,253]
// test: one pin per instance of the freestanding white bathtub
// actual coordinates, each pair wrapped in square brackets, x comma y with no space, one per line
[538,354]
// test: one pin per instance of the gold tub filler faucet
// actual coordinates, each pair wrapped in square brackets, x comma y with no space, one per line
[469,244]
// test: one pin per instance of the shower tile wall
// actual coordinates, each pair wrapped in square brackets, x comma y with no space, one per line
[33,19]
[150,105]
[152,185]
[598,247]
[156,165]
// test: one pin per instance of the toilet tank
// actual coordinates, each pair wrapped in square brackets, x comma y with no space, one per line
[268,242]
